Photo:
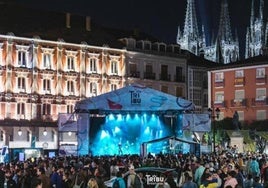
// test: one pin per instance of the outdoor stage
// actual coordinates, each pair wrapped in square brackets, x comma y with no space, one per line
[119,122]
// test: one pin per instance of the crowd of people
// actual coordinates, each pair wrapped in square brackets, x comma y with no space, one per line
[223,170]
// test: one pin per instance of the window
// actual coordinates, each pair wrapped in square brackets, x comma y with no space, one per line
[179,92]
[93,65]
[70,109]
[240,115]
[70,63]
[70,87]
[114,69]
[260,93]
[239,95]
[22,58]
[21,108]
[219,97]
[239,73]
[219,76]
[46,85]
[21,83]
[47,60]
[133,69]
[261,114]
[149,68]
[113,87]
[46,109]
[93,89]
[260,72]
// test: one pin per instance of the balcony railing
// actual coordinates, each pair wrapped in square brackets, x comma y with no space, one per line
[179,78]
[219,104]
[164,77]
[261,80]
[239,81]
[238,103]
[219,83]
[149,75]
[259,101]
[134,74]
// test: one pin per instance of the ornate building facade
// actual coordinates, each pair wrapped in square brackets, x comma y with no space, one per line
[257,32]
[222,49]
[42,78]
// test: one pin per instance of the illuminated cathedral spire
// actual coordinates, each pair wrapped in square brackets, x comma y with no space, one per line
[222,49]
[229,46]
[257,33]
[190,39]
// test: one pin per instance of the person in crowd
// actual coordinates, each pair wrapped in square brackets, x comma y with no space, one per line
[187,169]
[231,180]
[199,172]
[42,176]
[254,168]
[209,182]
[257,183]
[119,181]
[248,182]
[9,182]
[188,183]
[92,183]
[36,183]
[55,178]
[66,181]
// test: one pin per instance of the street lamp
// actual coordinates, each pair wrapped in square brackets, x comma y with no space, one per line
[217,115]
[19,132]
[45,132]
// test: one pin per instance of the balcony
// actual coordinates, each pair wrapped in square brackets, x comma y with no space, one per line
[219,104]
[238,103]
[260,101]
[134,74]
[261,80]
[239,81]
[149,75]
[179,78]
[219,83]
[164,77]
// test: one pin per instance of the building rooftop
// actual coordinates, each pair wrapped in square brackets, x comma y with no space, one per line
[49,25]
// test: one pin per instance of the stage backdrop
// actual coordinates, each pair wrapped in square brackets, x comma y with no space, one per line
[135,112]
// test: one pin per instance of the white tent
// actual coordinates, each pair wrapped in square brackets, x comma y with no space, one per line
[134,98]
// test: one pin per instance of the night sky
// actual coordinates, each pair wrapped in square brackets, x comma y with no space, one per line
[158,18]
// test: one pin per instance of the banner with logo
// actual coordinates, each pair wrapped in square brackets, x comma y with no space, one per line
[196,122]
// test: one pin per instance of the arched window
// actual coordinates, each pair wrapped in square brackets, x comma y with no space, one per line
[93,88]
[70,87]
[70,63]
[21,83]
[20,109]
[46,86]
[46,109]
[47,60]
[114,67]
[22,58]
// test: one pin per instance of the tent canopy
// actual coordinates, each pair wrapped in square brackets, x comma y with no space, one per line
[134,98]
[171,138]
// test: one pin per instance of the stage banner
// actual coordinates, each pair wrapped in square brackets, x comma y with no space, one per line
[83,125]
[67,122]
[196,122]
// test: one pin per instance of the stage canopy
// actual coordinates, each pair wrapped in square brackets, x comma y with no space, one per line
[134,98]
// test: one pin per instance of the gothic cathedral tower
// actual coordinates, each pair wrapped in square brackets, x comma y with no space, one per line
[190,39]
[224,49]
[257,33]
